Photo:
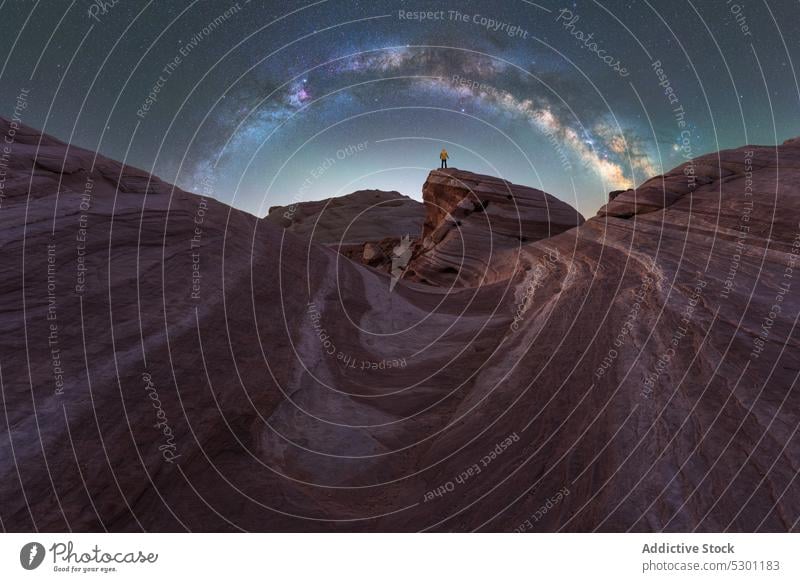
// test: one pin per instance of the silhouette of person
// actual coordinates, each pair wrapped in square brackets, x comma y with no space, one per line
[444,157]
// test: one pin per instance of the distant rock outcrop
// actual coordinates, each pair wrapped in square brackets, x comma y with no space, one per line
[475,226]
[661,192]
[364,226]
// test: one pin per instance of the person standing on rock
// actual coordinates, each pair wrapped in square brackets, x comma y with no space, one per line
[444,157]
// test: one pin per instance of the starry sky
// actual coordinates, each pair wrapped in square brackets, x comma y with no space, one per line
[264,103]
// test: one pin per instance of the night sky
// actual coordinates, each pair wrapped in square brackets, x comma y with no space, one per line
[267,103]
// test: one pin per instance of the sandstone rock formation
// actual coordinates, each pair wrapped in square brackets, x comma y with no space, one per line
[364,226]
[169,363]
[363,216]
[475,226]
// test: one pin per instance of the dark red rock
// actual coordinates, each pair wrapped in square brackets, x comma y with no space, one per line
[578,392]
[476,225]
[365,226]
[363,216]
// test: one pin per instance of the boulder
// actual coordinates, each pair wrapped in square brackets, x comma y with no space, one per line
[476,225]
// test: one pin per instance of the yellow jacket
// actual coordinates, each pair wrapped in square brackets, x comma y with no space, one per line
[443,155]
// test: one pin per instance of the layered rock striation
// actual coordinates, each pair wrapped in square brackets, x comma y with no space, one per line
[475,227]
[365,226]
[169,363]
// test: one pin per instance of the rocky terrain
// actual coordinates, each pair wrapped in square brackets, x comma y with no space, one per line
[365,226]
[169,363]
[476,226]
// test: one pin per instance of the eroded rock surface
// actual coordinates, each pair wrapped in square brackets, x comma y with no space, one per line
[475,226]
[364,226]
[632,373]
